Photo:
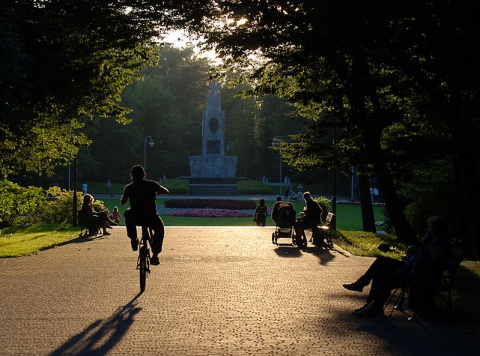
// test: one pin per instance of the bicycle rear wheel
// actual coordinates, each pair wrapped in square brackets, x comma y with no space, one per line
[143,267]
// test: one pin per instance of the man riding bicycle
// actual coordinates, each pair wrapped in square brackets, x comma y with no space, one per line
[142,193]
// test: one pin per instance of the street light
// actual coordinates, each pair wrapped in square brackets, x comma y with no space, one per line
[274,143]
[334,190]
[151,143]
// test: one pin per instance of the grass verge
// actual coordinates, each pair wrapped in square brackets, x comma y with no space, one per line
[16,242]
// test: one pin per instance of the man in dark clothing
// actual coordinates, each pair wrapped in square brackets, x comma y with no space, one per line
[425,267]
[142,193]
[309,219]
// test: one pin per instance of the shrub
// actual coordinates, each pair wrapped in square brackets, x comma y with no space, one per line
[176,186]
[210,203]
[20,205]
[60,209]
[253,187]
[99,205]
[326,206]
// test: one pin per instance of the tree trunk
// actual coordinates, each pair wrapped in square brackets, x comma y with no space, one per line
[370,128]
[469,215]
[368,217]
[467,189]
[393,204]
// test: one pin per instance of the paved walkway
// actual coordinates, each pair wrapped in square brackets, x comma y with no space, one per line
[218,291]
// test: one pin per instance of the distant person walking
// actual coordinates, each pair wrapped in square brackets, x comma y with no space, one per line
[109,188]
[299,190]
[84,188]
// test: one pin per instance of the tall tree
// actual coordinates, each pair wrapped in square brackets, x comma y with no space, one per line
[66,60]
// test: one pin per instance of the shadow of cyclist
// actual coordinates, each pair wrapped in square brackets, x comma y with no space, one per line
[102,335]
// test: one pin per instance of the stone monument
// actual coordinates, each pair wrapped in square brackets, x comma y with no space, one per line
[213,173]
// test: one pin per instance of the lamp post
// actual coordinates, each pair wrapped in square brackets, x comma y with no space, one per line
[151,143]
[334,189]
[274,143]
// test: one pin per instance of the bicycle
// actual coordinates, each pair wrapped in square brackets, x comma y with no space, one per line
[143,262]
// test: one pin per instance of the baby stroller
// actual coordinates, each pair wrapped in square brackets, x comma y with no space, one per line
[284,223]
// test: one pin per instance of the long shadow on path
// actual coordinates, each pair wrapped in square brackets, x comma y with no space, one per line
[102,335]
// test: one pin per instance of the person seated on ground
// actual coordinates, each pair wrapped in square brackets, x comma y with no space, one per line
[261,213]
[142,193]
[116,215]
[425,267]
[310,217]
[94,219]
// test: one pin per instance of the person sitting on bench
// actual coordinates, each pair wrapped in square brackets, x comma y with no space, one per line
[310,217]
[92,219]
[425,267]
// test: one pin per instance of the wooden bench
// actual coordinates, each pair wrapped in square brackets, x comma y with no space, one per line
[326,230]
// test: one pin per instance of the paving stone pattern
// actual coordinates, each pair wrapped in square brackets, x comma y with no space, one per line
[217,291]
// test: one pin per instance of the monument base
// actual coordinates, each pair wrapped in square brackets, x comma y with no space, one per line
[213,186]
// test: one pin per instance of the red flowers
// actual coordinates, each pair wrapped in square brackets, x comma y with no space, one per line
[207,213]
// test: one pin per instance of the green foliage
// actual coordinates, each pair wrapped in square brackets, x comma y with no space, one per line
[19,205]
[325,204]
[60,209]
[253,187]
[99,205]
[176,186]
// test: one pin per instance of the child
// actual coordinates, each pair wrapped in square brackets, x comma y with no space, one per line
[116,215]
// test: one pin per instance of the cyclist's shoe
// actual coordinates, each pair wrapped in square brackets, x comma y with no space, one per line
[155,260]
[106,233]
[134,243]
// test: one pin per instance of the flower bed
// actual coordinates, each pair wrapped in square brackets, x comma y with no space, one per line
[208,213]
[210,203]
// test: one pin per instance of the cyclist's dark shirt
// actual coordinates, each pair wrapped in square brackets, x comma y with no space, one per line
[142,195]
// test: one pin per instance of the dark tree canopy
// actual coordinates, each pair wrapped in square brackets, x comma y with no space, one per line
[62,63]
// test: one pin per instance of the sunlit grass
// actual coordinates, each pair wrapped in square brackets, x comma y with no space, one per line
[16,242]
[363,243]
